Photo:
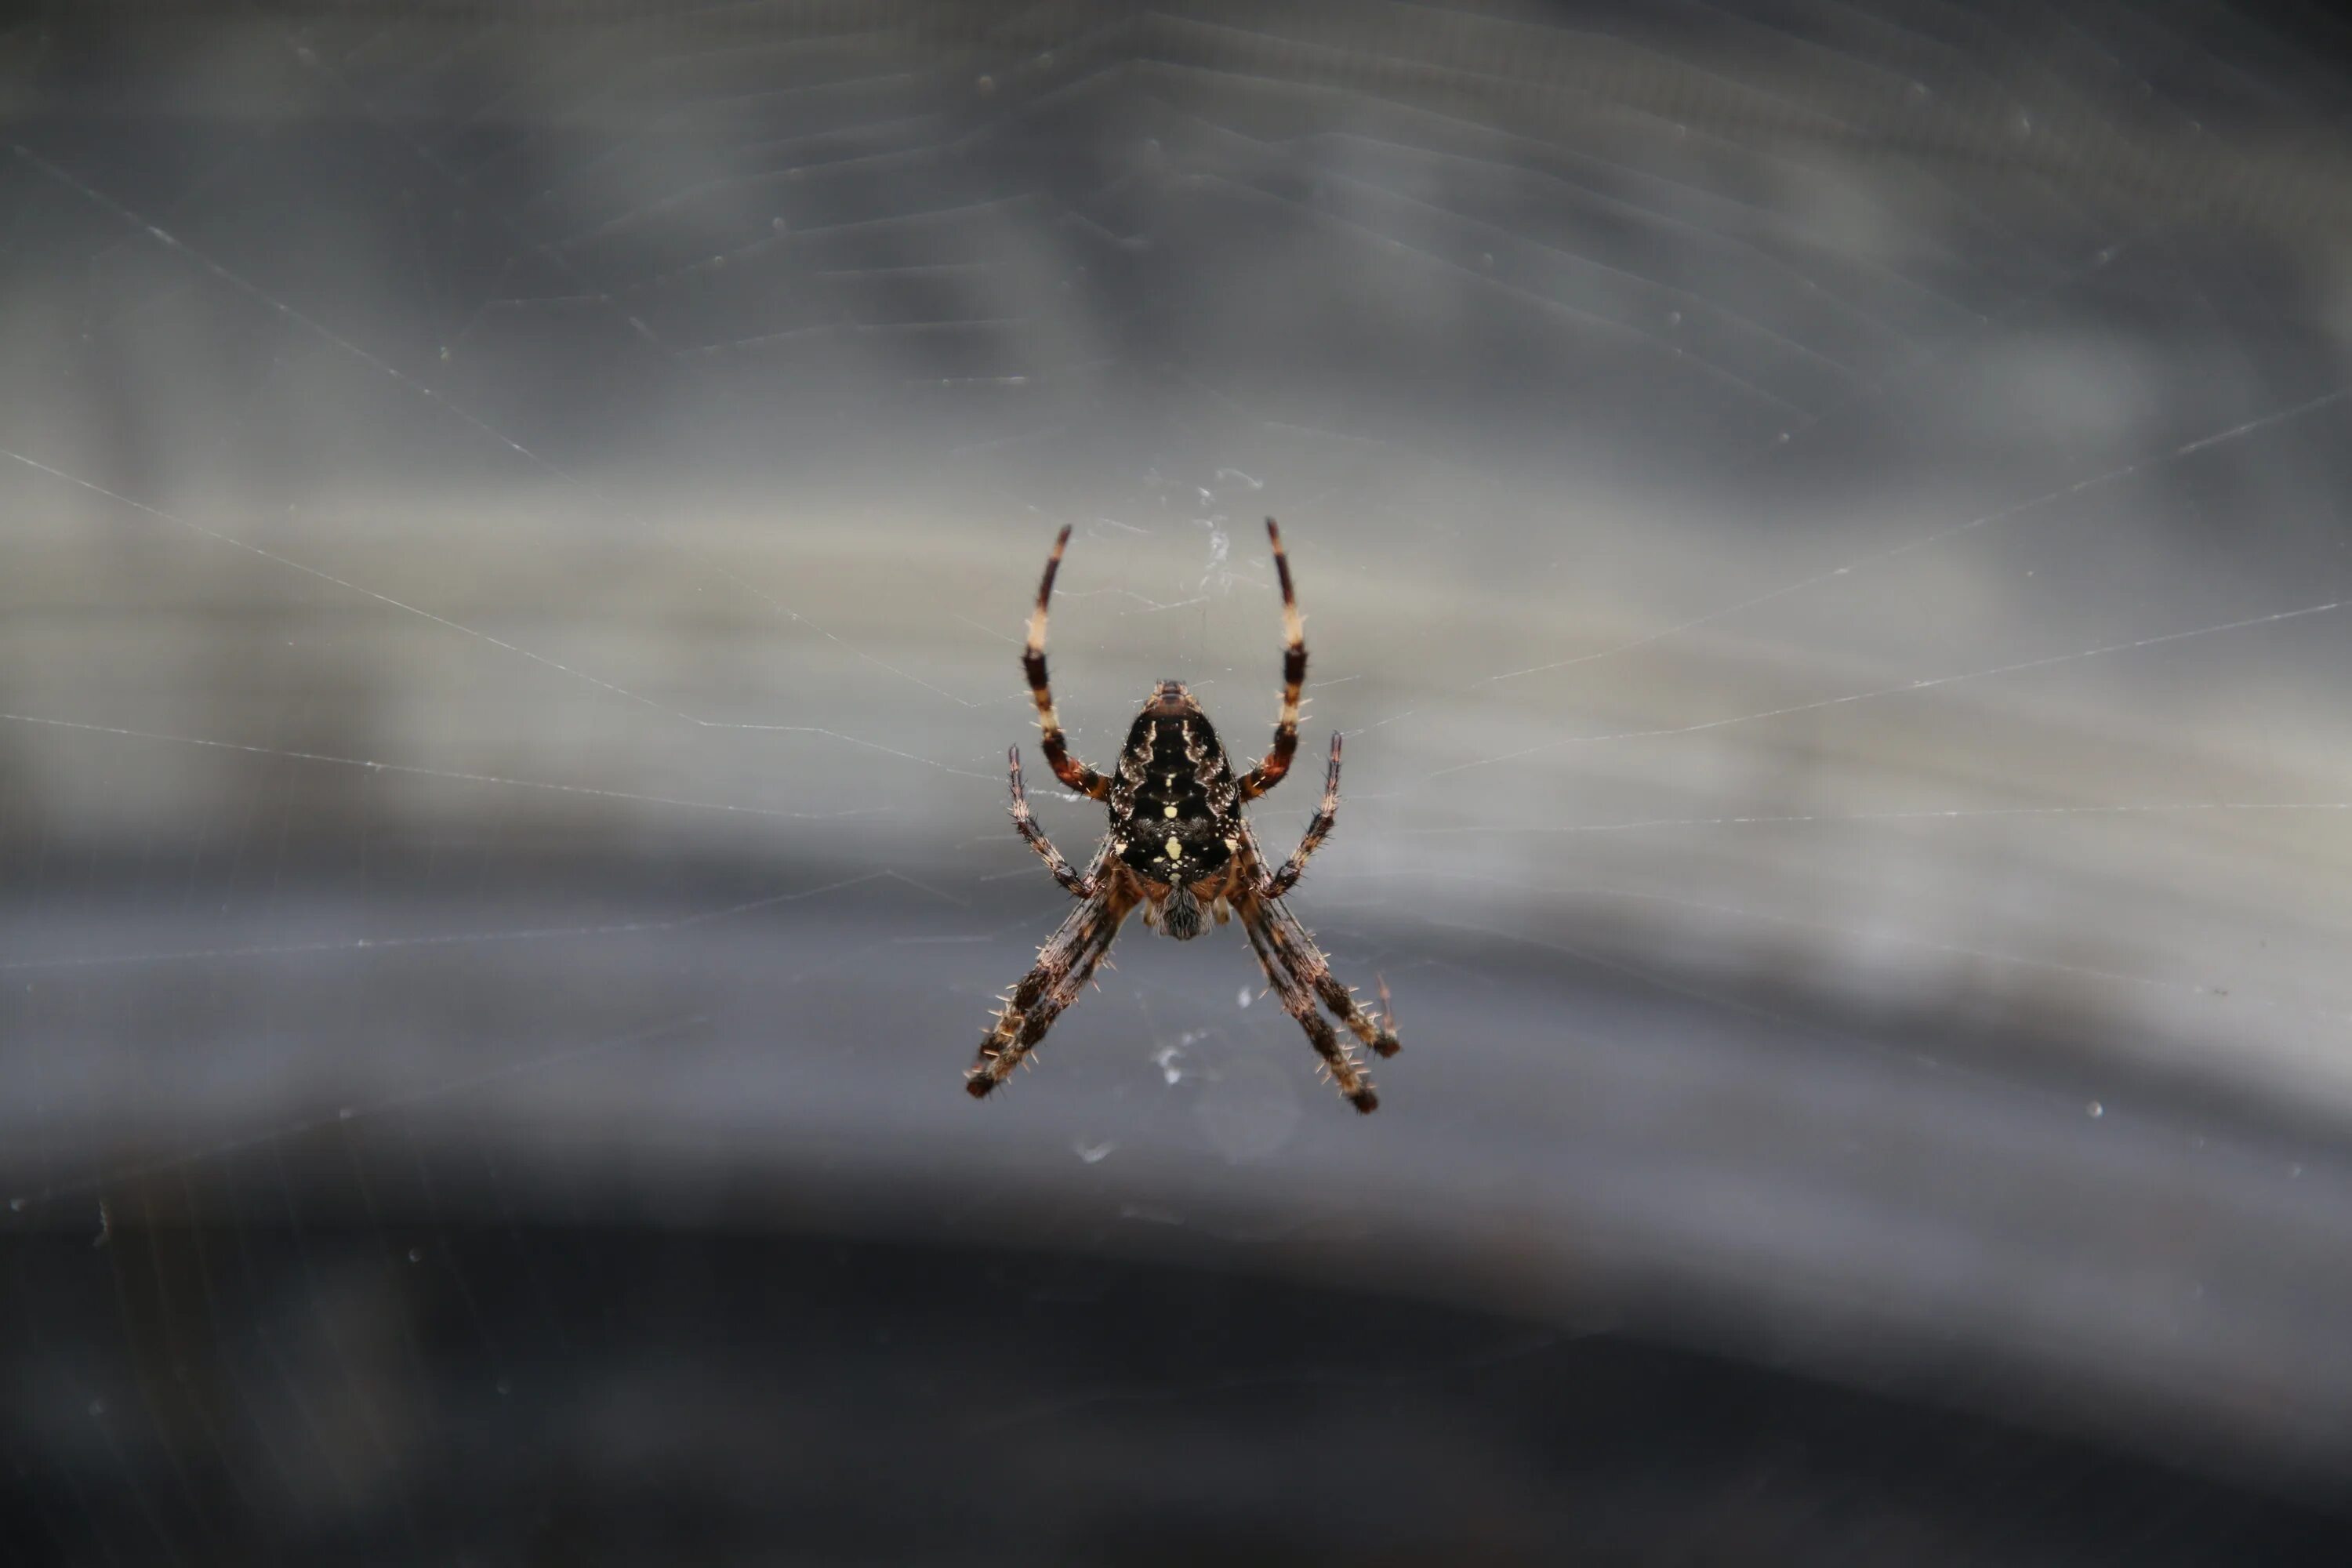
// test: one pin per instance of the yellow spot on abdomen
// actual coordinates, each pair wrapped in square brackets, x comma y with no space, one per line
[1175,850]
[1167,811]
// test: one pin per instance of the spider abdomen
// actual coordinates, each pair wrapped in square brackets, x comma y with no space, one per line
[1171,810]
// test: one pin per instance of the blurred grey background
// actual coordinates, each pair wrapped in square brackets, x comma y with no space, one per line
[1824,528]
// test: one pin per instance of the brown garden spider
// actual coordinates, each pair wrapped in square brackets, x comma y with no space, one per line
[1180,848]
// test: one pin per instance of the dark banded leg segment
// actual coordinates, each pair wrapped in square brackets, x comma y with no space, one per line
[1063,966]
[1316,831]
[1034,836]
[1298,950]
[1074,773]
[1268,773]
[1298,1000]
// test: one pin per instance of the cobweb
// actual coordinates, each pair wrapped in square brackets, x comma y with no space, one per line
[1822,526]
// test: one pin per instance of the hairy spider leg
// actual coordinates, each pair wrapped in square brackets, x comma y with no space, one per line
[1316,831]
[1298,950]
[1063,966]
[1081,886]
[1073,773]
[1268,773]
[1298,1001]
[1292,939]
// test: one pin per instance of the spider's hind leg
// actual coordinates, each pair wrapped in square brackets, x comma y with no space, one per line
[1290,939]
[1062,969]
[1298,1001]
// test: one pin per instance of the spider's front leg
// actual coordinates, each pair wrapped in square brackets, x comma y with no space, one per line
[1063,966]
[1268,773]
[1034,836]
[1067,768]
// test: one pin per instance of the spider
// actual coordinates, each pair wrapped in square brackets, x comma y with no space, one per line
[1179,849]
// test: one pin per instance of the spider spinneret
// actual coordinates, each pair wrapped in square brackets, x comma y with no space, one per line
[1179,849]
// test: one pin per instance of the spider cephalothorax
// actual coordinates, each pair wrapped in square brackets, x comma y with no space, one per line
[1179,849]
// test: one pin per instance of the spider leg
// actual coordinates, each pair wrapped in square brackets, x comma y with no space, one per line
[1073,773]
[1316,831]
[1298,1001]
[1034,836]
[1063,965]
[1268,773]
[1387,1019]
[1291,938]
[1298,950]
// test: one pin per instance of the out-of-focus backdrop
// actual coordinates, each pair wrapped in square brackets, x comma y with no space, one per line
[1825,529]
